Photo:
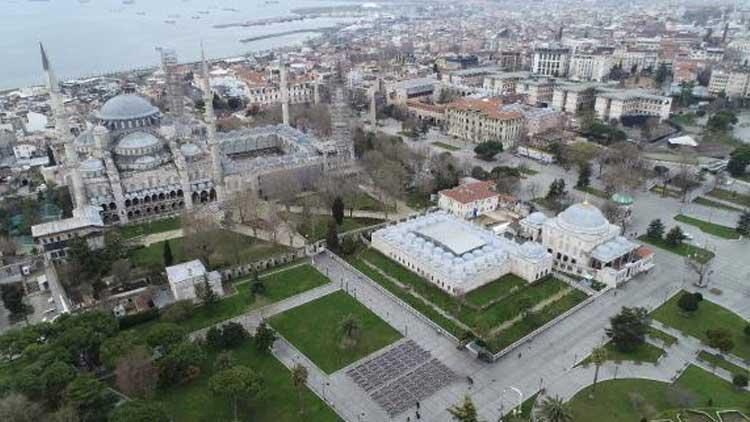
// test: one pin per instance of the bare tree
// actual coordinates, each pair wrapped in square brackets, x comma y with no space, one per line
[700,267]
[136,374]
[200,233]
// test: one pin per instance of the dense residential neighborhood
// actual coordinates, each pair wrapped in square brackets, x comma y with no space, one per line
[419,210]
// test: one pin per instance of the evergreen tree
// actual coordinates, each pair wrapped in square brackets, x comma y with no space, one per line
[655,229]
[167,255]
[332,237]
[337,210]
[206,294]
[264,337]
[675,237]
[743,224]
[584,176]
[628,328]
[464,412]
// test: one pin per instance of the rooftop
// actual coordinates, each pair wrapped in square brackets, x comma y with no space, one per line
[185,271]
[126,107]
[451,237]
[470,192]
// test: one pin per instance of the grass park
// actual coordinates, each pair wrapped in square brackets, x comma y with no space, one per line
[682,249]
[194,402]
[710,228]
[594,192]
[708,316]
[318,226]
[500,312]
[279,284]
[702,200]
[314,329]
[629,400]
[158,226]
[718,361]
[742,200]
[228,248]
[443,145]
[645,353]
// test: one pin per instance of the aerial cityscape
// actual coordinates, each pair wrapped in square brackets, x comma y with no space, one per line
[391,210]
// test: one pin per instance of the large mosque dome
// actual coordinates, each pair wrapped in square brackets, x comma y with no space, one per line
[138,143]
[583,218]
[126,107]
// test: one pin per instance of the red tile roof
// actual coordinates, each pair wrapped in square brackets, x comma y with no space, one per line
[643,251]
[471,192]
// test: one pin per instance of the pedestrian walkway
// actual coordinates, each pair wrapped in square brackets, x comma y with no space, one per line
[252,319]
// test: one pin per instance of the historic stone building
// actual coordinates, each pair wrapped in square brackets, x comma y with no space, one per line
[132,163]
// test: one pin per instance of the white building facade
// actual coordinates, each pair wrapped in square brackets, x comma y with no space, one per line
[186,280]
[458,256]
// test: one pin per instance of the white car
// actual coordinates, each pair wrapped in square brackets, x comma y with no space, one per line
[688,236]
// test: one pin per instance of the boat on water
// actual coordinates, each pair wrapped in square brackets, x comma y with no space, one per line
[170,21]
[140,13]
[128,2]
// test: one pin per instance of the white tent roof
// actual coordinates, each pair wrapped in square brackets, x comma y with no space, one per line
[683,140]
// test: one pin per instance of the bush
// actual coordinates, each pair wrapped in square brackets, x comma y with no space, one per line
[229,335]
[698,296]
[688,302]
[747,330]
[178,311]
[129,321]
[740,380]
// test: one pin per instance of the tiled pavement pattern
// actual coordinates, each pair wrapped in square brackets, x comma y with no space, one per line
[402,376]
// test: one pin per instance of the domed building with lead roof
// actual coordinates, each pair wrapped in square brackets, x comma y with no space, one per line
[132,163]
[583,242]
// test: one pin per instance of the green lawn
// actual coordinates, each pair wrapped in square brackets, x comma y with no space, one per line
[669,192]
[683,249]
[279,285]
[710,228]
[314,329]
[158,226]
[719,361]
[484,320]
[701,200]
[229,249]
[527,171]
[418,201]
[628,400]
[731,196]
[278,402]
[708,316]
[319,228]
[593,191]
[443,145]
[644,353]
[499,288]
[665,338]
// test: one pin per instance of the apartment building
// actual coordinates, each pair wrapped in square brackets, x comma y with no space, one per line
[480,120]
[618,103]
[733,83]
[551,60]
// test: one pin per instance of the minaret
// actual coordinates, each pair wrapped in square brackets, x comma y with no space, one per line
[316,90]
[284,87]
[213,144]
[63,133]
[373,108]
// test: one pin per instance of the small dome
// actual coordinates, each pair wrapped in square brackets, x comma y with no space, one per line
[583,218]
[622,199]
[190,150]
[536,218]
[126,107]
[532,250]
[138,140]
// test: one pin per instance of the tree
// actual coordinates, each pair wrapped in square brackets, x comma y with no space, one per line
[181,364]
[206,294]
[167,255]
[598,357]
[740,381]
[17,408]
[688,302]
[337,210]
[332,236]
[121,269]
[655,229]
[584,176]
[264,337]
[628,328]
[743,223]
[229,335]
[89,397]
[135,374]
[554,409]
[738,161]
[165,335]
[299,380]
[720,338]
[487,150]
[349,328]
[721,121]
[556,190]
[747,330]
[12,296]
[236,382]
[662,73]
[178,311]
[676,236]
[139,411]
[56,377]
[464,412]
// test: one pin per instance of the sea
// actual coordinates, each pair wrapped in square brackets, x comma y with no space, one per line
[89,37]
